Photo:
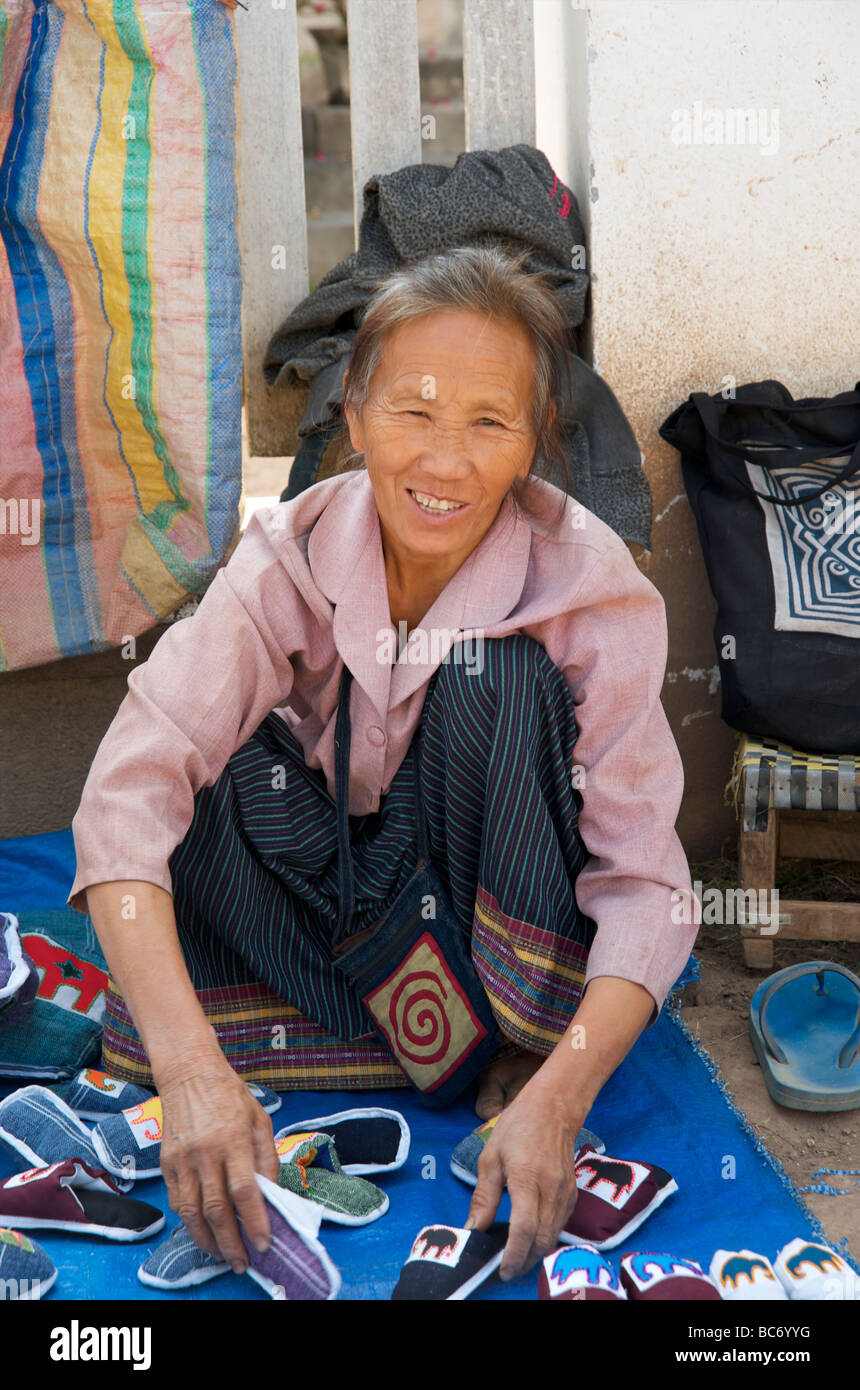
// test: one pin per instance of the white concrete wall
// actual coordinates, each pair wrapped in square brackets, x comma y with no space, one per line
[708,259]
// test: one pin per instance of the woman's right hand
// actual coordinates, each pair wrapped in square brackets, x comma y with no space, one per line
[216,1137]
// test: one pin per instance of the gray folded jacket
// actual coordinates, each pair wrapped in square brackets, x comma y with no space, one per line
[510,196]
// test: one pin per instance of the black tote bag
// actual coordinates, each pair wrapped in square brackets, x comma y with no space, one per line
[774,485]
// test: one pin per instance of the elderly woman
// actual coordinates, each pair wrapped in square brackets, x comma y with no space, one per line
[522,694]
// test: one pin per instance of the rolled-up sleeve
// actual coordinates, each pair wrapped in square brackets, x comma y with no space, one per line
[207,685]
[636,886]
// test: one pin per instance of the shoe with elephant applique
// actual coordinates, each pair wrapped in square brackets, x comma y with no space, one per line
[658,1276]
[128,1143]
[746,1276]
[813,1272]
[447,1263]
[613,1198]
[579,1273]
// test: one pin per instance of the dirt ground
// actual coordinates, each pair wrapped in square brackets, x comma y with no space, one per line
[716,1010]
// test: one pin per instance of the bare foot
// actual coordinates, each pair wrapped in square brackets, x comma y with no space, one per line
[501,1081]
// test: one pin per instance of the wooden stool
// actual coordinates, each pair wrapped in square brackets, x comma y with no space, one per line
[795,806]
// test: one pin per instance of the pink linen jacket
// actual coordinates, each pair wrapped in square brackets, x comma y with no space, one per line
[305,592]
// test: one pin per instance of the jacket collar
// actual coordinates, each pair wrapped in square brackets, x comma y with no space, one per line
[348,565]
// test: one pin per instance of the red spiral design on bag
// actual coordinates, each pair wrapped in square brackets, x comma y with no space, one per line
[417,1017]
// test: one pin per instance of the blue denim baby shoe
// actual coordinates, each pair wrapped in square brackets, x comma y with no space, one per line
[93,1094]
[295,1265]
[178,1263]
[269,1100]
[39,1127]
[25,1269]
[128,1143]
[464,1159]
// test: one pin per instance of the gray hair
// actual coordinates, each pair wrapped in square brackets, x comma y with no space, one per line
[485,279]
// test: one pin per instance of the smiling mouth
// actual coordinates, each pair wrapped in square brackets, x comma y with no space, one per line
[435,506]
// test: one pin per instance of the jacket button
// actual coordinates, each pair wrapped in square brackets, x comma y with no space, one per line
[376,735]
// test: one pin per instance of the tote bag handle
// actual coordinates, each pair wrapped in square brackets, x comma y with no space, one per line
[808,453]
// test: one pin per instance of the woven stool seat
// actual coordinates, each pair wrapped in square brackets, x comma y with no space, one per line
[788,779]
[794,804]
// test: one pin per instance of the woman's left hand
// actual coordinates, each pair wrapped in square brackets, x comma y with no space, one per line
[530,1151]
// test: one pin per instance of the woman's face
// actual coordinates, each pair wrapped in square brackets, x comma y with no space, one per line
[448,417]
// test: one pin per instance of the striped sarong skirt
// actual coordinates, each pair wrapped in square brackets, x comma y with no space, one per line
[255,880]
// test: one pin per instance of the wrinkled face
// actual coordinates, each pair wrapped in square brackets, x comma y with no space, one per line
[446,429]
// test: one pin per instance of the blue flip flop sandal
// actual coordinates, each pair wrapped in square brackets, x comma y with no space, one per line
[806,1036]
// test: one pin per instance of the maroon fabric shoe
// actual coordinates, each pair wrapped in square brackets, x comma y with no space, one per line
[613,1197]
[653,1275]
[73,1196]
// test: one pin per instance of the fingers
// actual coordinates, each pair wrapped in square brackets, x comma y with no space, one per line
[540,1206]
[220,1216]
[487,1194]
[248,1202]
[525,1214]
[183,1193]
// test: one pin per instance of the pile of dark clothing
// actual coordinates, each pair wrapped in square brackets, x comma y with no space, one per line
[508,197]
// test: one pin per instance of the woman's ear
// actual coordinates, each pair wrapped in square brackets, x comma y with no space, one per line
[353,423]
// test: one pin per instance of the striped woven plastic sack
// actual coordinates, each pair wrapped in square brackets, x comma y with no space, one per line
[120,344]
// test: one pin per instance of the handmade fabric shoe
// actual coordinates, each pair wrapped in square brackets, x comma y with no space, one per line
[464,1159]
[296,1265]
[742,1274]
[614,1197]
[579,1272]
[128,1145]
[178,1263]
[19,979]
[72,1196]
[25,1269]
[40,1128]
[652,1275]
[370,1140]
[93,1094]
[310,1168]
[269,1100]
[810,1271]
[447,1263]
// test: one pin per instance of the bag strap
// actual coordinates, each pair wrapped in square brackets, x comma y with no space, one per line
[807,453]
[342,738]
